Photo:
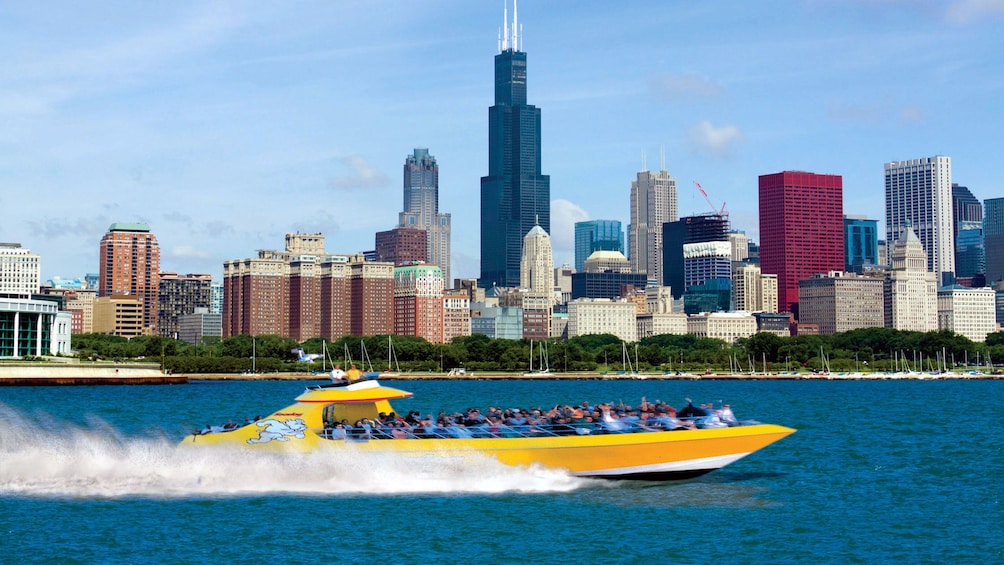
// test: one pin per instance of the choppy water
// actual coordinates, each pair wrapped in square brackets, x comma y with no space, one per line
[881,471]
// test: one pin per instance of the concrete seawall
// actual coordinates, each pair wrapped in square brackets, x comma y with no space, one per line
[21,374]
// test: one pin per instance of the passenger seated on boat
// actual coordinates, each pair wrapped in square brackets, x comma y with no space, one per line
[728,417]
[339,432]
[353,374]
[364,428]
[612,422]
[690,411]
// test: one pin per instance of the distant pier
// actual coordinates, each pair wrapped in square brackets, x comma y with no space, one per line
[48,373]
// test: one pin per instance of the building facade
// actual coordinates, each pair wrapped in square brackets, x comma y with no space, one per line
[421,209]
[860,244]
[918,194]
[690,230]
[606,275]
[597,235]
[726,326]
[129,264]
[119,314]
[456,314]
[753,291]
[840,302]
[969,312]
[179,295]
[537,284]
[801,229]
[402,246]
[31,325]
[993,238]
[911,291]
[304,292]
[515,196]
[195,327]
[653,203]
[589,316]
[418,302]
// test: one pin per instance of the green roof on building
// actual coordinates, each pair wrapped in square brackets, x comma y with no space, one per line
[124,226]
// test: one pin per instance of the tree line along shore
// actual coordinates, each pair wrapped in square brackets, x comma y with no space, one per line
[869,350]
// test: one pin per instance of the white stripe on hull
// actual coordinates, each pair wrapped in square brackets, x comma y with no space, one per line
[702,464]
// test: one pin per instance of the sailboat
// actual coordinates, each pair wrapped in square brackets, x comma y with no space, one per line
[365,364]
[543,365]
[628,368]
[254,355]
[391,357]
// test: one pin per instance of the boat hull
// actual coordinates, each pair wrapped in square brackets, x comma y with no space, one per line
[646,456]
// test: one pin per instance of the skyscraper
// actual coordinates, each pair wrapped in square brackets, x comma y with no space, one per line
[596,235]
[421,208]
[993,238]
[911,289]
[129,263]
[537,283]
[653,203]
[801,229]
[967,226]
[860,243]
[918,194]
[692,231]
[515,196]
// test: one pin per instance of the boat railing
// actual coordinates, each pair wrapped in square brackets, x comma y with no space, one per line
[485,431]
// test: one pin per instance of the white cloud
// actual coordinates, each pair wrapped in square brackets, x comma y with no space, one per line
[706,139]
[564,214]
[973,11]
[841,111]
[360,175]
[684,87]
[188,252]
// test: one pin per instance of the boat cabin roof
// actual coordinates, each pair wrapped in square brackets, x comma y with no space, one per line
[355,393]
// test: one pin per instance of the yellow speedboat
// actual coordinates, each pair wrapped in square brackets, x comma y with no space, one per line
[594,450]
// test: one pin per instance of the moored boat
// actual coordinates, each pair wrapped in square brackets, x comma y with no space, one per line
[320,417]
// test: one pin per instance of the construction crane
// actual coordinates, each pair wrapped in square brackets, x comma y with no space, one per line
[715,210]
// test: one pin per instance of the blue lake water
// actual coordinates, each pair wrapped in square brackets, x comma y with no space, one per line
[879,471]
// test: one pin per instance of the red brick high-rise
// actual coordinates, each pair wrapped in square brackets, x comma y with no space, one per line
[129,264]
[801,229]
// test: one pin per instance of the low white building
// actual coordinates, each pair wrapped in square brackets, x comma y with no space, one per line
[659,324]
[726,326]
[29,326]
[969,312]
[590,316]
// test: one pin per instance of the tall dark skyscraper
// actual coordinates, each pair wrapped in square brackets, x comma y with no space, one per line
[514,196]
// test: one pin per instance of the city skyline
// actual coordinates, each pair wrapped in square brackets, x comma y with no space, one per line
[224,127]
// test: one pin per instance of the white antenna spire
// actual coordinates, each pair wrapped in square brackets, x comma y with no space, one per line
[644,163]
[500,40]
[505,25]
[662,157]
[515,43]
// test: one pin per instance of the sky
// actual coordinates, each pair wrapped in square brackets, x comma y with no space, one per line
[226,125]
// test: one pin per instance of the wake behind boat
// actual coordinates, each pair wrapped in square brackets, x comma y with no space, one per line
[591,441]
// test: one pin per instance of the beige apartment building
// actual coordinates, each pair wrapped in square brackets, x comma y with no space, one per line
[840,302]
[726,326]
[588,316]
[456,314]
[752,290]
[969,312]
[119,314]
